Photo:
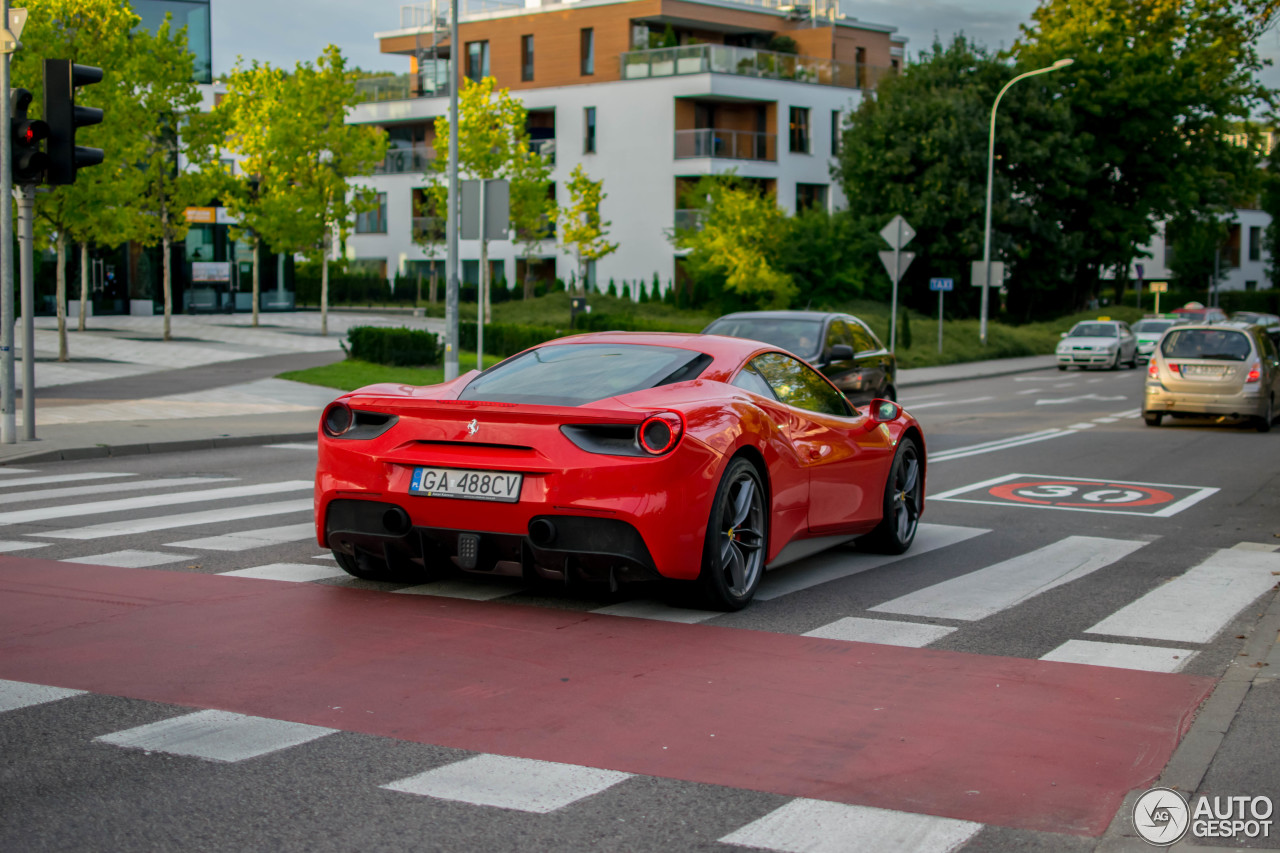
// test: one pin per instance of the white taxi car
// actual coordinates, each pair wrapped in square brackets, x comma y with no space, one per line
[1098,343]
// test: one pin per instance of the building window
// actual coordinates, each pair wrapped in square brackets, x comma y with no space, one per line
[588,52]
[477,60]
[228,166]
[589,131]
[800,130]
[811,196]
[526,58]
[373,221]
[1250,285]
[860,67]
[835,132]
[1255,242]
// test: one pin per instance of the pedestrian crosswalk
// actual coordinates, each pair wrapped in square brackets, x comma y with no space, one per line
[265,531]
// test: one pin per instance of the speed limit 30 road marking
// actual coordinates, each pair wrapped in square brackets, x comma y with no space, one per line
[1077,494]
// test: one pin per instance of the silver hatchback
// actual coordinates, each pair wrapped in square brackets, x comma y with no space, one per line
[1223,369]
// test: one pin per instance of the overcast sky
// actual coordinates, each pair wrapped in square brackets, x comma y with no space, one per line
[284,31]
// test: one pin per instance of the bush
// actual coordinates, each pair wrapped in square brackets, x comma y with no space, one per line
[505,338]
[393,346]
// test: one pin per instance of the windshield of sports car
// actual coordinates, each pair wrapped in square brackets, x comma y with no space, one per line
[800,336]
[1093,330]
[1215,344]
[577,374]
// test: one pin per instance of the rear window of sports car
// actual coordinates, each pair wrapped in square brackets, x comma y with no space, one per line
[577,374]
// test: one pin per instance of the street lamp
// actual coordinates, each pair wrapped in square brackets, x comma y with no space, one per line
[991,162]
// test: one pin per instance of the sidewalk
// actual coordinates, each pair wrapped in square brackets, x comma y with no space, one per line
[125,391]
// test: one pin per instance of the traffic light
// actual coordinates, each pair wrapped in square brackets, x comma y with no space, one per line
[29,162]
[61,79]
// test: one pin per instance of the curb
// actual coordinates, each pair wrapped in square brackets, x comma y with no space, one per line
[1190,762]
[103,451]
[921,383]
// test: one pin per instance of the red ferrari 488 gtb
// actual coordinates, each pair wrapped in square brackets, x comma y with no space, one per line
[616,456]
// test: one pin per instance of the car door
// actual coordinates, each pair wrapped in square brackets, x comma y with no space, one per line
[1128,344]
[874,361]
[845,461]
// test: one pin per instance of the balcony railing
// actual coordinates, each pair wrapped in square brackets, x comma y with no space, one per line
[748,62]
[432,82]
[726,144]
[402,160]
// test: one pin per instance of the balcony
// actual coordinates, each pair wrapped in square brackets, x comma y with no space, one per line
[748,62]
[545,147]
[432,82]
[400,161]
[726,144]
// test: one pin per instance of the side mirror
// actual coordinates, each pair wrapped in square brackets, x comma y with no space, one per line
[883,411]
[841,352]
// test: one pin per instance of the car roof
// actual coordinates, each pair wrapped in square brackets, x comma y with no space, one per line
[783,315]
[716,346]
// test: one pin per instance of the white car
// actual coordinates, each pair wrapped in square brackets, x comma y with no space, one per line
[1098,343]
[1148,332]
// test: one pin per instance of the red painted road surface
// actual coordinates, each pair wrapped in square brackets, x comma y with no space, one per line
[1005,741]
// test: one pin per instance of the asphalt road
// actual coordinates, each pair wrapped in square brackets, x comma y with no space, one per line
[1080,585]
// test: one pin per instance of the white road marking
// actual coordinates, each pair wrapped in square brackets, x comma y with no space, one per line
[49,479]
[1001,444]
[997,587]
[472,590]
[217,736]
[17,471]
[960,402]
[293,446]
[816,826]
[247,539]
[20,694]
[1121,655]
[131,559]
[886,632]
[834,565]
[294,572]
[1105,420]
[644,609]
[6,547]
[189,519]
[1255,546]
[1195,606]
[1128,413]
[1082,426]
[107,488]
[523,784]
[148,501]
[1030,391]
[1198,494]
[1062,400]
[328,556]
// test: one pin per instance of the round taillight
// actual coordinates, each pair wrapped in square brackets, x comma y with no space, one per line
[661,432]
[1152,370]
[1255,373]
[336,420]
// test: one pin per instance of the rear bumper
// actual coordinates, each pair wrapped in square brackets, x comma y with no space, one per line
[1238,404]
[557,547]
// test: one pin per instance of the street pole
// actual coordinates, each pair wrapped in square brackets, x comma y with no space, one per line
[991,167]
[897,274]
[482,287]
[939,322]
[451,214]
[26,239]
[8,416]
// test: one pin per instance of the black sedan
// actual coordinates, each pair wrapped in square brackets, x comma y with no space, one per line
[839,345]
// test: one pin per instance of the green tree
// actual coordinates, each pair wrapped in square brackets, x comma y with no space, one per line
[739,238]
[493,143]
[175,150]
[533,211]
[583,231]
[303,157]
[919,149]
[89,32]
[1155,91]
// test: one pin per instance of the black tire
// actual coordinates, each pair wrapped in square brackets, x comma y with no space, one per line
[1152,418]
[1115,365]
[1062,367]
[903,501]
[1133,362]
[737,535]
[370,568]
[1264,422]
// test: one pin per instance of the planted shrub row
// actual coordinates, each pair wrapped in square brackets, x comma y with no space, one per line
[394,346]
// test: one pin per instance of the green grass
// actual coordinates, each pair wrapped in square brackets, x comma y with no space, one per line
[352,374]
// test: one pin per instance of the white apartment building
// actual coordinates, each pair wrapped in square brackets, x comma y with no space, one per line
[1243,260]
[647,95]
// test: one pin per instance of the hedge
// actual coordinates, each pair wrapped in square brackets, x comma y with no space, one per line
[506,338]
[394,346]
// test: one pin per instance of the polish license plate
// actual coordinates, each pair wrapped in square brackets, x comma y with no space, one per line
[467,484]
[1204,371]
